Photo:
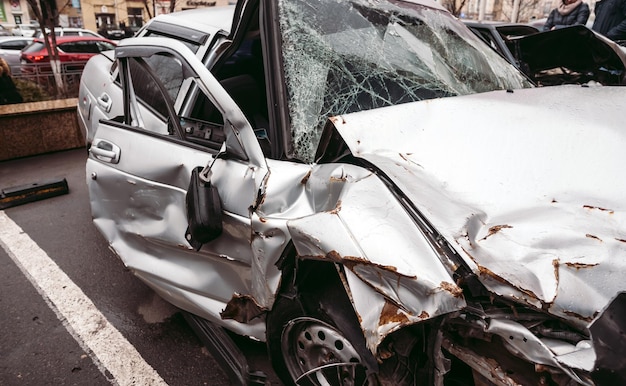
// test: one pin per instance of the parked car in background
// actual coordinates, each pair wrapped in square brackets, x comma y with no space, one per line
[571,55]
[74,52]
[499,35]
[71,31]
[10,50]
[368,188]
[112,31]
[4,31]
[28,30]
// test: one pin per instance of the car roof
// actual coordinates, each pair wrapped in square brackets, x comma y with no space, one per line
[5,38]
[65,39]
[199,18]
[57,28]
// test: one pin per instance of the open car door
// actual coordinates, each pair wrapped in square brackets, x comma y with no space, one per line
[139,170]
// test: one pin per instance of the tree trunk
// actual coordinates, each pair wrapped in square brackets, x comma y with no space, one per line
[515,12]
[47,24]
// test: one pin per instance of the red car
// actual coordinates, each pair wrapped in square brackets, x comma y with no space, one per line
[74,52]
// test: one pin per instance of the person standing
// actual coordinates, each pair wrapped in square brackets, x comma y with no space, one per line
[8,92]
[610,19]
[569,12]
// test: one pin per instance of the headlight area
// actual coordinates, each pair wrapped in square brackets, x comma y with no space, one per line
[492,338]
[494,343]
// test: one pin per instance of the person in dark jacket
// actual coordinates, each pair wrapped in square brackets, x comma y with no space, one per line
[611,19]
[569,12]
[8,92]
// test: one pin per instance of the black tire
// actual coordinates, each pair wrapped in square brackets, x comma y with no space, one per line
[313,334]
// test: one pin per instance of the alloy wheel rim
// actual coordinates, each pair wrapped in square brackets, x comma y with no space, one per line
[316,353]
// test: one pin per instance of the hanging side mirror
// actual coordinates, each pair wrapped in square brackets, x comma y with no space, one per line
[204,210]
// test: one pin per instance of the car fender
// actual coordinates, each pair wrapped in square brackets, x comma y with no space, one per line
[392,274]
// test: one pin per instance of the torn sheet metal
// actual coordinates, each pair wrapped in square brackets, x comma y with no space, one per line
[495,187]
[525,344]
[403,271]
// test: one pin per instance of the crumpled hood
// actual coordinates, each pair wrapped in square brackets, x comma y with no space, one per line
[528,186]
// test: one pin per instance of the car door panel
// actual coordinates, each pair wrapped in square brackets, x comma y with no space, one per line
[137,180]
[139,204]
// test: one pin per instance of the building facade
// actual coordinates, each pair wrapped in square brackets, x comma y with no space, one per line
[93,14]
[501,10]
[13,12]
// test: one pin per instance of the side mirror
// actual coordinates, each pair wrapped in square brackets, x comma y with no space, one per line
[204,211]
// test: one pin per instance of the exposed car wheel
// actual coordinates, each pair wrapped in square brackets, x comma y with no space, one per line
[309,350]
[314,338]
[315,352]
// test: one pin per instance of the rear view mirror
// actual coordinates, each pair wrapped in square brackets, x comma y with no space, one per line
[204,211]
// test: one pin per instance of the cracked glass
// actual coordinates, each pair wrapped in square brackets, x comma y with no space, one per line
[345,56]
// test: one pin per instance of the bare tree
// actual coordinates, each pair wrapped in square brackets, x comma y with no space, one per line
[46,13]
[147,7]
[454,6]
[525,9]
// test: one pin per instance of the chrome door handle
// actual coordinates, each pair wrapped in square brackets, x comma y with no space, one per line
[105,102]
[105,151]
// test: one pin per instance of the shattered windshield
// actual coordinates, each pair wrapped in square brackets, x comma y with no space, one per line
[345,56]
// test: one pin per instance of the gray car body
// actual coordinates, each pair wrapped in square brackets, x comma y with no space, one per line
[535,212]
[28,30]
[10,50]
[99,92]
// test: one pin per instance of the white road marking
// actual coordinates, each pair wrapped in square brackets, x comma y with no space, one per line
[109,350]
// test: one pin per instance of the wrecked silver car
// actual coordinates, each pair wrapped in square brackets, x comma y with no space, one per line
[374,192]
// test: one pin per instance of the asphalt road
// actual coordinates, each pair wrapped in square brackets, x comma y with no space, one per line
[38,344]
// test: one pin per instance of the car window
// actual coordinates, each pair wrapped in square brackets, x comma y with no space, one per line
[144,73]
[155,95]
[14,44]
[378,54]
[86,47]
[147,89]
[104,46]
[167,69]
[71,33]
[79,47]
[34,47]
